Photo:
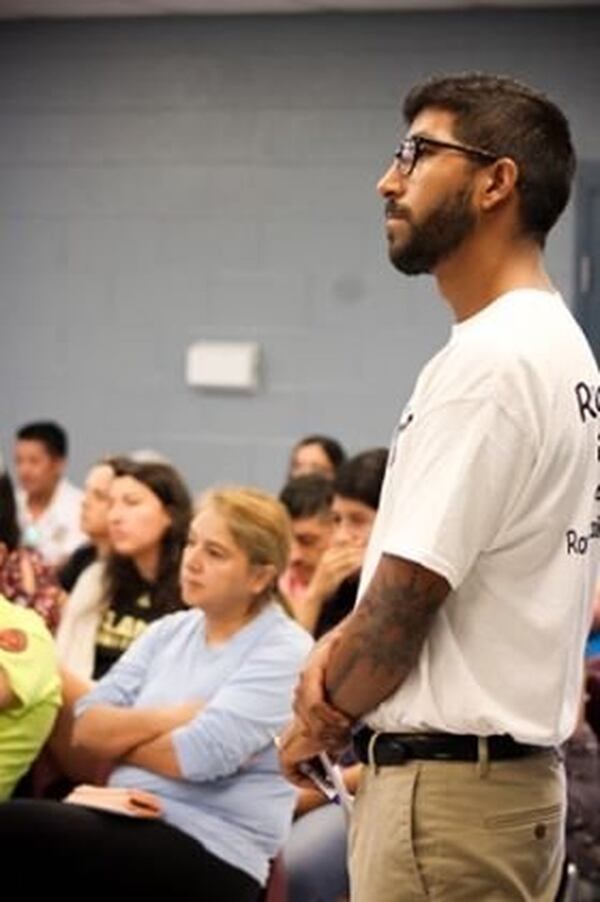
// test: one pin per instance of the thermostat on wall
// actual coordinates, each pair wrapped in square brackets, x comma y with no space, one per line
[223,364]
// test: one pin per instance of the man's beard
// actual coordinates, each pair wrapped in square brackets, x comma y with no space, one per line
[434,239]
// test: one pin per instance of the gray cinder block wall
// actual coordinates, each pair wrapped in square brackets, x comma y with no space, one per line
[166,181]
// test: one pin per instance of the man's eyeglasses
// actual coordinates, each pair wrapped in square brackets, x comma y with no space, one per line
[411,149]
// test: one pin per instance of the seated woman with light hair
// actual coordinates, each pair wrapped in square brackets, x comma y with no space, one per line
[190,713]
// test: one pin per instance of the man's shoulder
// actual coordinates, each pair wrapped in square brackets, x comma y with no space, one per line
[469,367]
[67,493]
[524,332]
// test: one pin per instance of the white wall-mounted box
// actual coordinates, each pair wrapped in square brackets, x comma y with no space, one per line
[230,365]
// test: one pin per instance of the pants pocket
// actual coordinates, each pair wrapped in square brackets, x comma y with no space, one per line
[524,817]
[529,844]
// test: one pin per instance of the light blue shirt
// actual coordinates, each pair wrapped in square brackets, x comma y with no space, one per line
[231,797]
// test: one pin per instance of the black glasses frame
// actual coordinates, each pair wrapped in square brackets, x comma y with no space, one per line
[411,149]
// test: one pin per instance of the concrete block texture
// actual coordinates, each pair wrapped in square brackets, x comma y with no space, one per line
[176,180]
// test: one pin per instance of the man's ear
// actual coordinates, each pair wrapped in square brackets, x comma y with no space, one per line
[498,183]
[3,553]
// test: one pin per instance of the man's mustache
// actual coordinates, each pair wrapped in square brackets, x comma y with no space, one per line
[397,211]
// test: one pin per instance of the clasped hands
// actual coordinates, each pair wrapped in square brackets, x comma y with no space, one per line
[317,725]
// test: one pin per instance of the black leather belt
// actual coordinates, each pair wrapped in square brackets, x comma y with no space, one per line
[385,749]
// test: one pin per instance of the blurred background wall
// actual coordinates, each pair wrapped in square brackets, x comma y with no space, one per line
[172,180]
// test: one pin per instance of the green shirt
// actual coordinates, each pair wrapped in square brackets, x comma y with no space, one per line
[28,660]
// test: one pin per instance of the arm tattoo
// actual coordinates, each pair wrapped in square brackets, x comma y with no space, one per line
[382,640]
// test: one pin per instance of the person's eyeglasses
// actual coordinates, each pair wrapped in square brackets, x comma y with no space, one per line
[411,149]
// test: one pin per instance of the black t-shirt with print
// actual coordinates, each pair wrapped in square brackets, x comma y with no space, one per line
[120,625]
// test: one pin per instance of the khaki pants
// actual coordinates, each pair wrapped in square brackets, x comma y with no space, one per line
[459,832]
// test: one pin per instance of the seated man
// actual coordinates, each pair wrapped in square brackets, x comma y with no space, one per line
[308,501]
[29,691]
[331,594]
[49,506]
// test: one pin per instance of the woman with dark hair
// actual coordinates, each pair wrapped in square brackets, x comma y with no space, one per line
[25,578]
[114,600]
[316,454]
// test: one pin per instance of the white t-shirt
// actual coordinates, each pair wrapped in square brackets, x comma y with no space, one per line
[57,533]
[492,483]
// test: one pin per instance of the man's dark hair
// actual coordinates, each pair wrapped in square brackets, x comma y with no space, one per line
[361,477]
[310,495]
[509,119]
[124,583]
[332,448]
[52,436]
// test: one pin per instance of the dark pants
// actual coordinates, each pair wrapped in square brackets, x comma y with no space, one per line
[83,852]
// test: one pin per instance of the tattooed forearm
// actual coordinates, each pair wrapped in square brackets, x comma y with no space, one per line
[382,640]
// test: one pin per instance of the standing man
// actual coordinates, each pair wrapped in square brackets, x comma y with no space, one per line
[463,658]
[49,506]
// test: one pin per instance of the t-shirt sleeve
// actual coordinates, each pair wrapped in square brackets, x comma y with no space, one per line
[245,714]
[465,467]
[32,672]
[123,682]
